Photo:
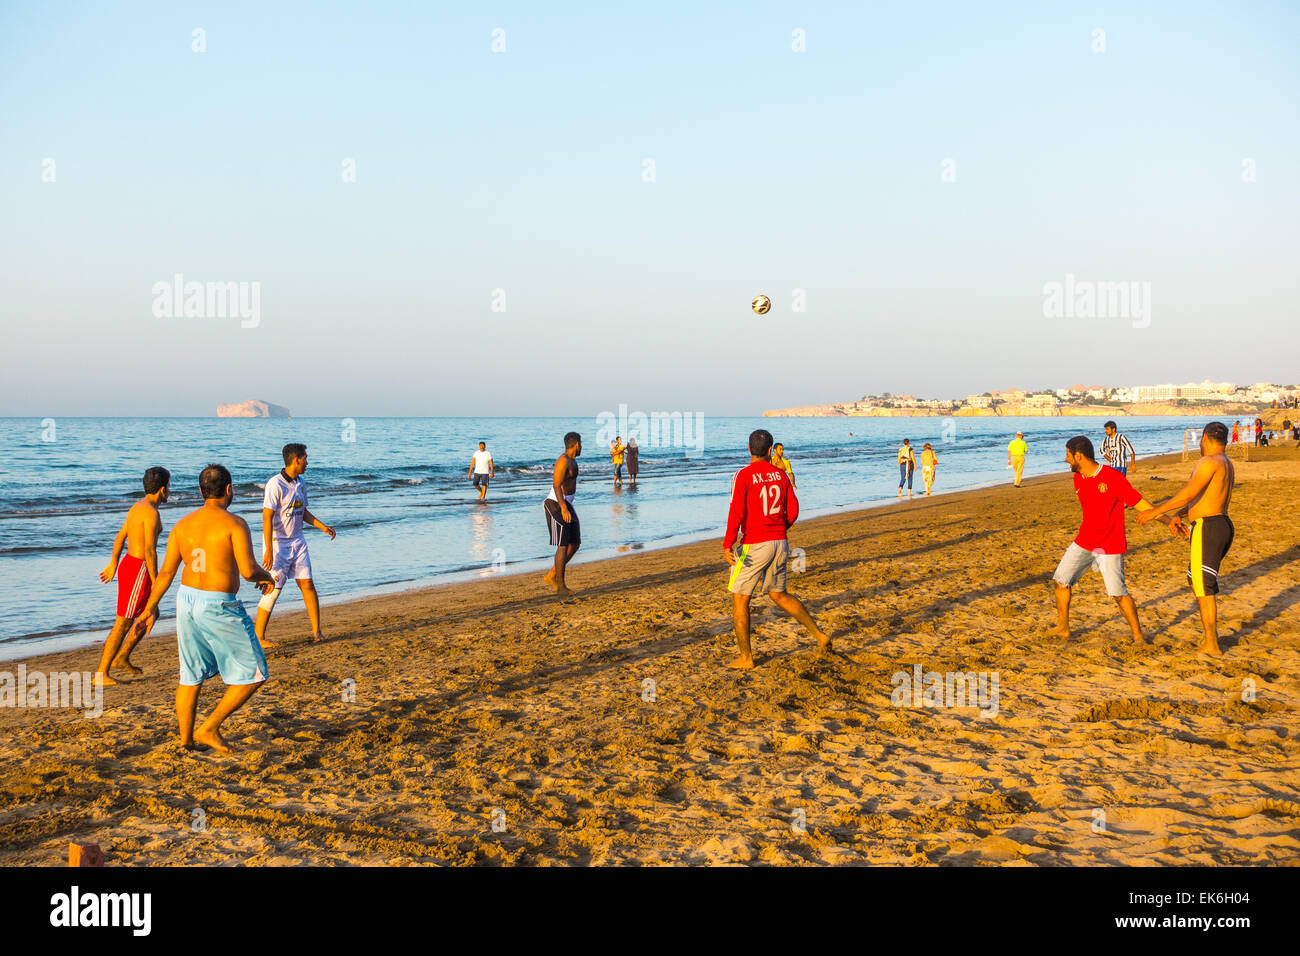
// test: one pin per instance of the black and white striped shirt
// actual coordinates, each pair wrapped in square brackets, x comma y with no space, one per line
[1117,450]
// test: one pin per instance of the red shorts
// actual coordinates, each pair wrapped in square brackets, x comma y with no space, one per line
[133,586]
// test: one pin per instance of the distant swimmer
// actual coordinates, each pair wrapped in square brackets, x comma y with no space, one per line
[763,506]
[561,516]
[136,572]
[906,467]
[633,453]
[929,464]
[284,548]
[482,470]
[213,549]
[1205,501]
[616,453]
[1016,452]
[1103,494]
[1117,449]
[780,461]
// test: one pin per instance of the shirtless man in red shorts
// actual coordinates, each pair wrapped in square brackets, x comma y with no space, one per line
[136,572]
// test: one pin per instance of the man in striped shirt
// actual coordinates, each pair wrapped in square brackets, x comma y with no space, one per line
[1117,449]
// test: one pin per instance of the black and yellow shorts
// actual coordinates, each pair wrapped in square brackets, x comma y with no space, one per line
[1211,539]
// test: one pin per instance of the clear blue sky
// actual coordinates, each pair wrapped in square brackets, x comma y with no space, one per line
[523,171]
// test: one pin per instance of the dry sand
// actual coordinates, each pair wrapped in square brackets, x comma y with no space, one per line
[495,702]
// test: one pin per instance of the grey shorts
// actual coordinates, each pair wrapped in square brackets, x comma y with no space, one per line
[481,479]
[759,567]
[1077,560]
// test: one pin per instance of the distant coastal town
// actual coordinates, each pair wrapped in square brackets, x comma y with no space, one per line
[1213,398]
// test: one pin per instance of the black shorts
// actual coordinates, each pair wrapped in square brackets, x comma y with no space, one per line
[1211,539]
[481,479]
[562,532]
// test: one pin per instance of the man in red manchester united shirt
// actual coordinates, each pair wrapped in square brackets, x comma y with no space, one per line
[1103,494]
[763,506]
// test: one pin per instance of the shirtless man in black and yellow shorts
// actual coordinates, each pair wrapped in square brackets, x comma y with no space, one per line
[1204,501]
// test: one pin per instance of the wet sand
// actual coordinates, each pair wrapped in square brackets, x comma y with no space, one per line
[495,724]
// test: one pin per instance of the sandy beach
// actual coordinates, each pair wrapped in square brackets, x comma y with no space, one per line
[494,724]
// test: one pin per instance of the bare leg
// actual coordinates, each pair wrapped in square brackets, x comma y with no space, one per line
[1062,628]
[740,617]
[123,658]
[1130,612]
[555,577]
[187,701]
[235,697]
[1210,624]
[263,619]
[310,599]
[794,607]
[111,645]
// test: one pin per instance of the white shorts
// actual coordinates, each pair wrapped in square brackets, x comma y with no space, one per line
[291,561]
[1077,560]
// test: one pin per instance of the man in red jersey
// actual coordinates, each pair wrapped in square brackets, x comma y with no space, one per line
[763,506]
[1103,494]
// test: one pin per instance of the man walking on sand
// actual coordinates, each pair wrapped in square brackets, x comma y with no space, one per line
[284,549]
[561,516]
[1016,452]
[763,506]
[1117,449]
[136,572]
[1103,494]
[1205,501]
[482,470]
[213,632]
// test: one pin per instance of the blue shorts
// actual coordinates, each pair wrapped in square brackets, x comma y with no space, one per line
[215,635]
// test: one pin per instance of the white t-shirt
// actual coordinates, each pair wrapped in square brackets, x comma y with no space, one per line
[288,503]
[482,462]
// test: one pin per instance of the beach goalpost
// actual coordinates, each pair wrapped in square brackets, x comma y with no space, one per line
[1192,442]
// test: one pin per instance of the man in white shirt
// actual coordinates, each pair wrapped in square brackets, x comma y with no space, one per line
[482,470]
[284,549]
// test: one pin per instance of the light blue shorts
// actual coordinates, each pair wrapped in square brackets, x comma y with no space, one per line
[215,636]
[1077,560]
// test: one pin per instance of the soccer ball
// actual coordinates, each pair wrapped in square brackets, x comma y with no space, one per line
[761,304]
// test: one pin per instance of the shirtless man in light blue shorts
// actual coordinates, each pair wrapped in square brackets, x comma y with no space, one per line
[213,631]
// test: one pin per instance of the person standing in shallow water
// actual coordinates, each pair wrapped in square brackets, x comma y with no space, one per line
[906,466]
[632,456]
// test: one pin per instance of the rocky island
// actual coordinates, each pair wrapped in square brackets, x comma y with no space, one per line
[253,408]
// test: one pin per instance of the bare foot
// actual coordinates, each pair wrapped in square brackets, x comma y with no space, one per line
[1210,648]
[1140,638]
[562,591]
[318,638]
[742,663]
[213,739]
[1059,631]
[549,577]
[108,681]
[187,745]
[823,640]
[129,667]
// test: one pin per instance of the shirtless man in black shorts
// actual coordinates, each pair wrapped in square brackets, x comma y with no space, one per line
[561,516]
[1205,502]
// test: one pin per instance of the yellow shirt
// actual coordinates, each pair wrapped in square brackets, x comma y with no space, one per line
[1017,448]
[905,454]
[780,461]
[616,452]
[928,458]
